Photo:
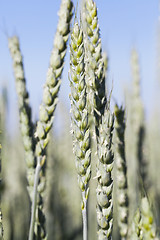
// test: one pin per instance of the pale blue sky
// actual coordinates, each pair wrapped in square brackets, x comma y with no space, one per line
[123,24]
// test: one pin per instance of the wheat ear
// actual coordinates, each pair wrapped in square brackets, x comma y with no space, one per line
[148,225]
[143,226]
[26,125]
[95,69]
[105,182]
[80,128]
[121,172]
[46,114]
[137,232]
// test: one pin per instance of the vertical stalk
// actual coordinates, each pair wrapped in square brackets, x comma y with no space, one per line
[34,203]
[85,217]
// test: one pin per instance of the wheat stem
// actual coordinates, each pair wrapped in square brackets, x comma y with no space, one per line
[36,180]
[85,217]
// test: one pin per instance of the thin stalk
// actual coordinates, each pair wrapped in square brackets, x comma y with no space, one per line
[85,217]
[34,201]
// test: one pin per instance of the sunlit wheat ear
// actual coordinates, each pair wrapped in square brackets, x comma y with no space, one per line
[104,176]
[80,128]
[53,80]
[26,125]
[47,108]
[95,69]
[121,172]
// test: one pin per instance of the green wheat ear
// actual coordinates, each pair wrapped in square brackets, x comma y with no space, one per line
[105,182]
[137,232]
[148,225]
[143,226]
[46,114]
[121,172]
[80,128]
[95,68]
[26,125]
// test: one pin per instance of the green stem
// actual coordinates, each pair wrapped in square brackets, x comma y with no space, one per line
[34,202]
[85,217]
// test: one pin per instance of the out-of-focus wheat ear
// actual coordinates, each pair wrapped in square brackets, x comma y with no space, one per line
[139,119]
[79,119]
[47,108]
[95,73]
[148,224]
[135,136]
[136,230]
[143,226]
[104,176]
[121,171]
[26,125]
[1,226]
